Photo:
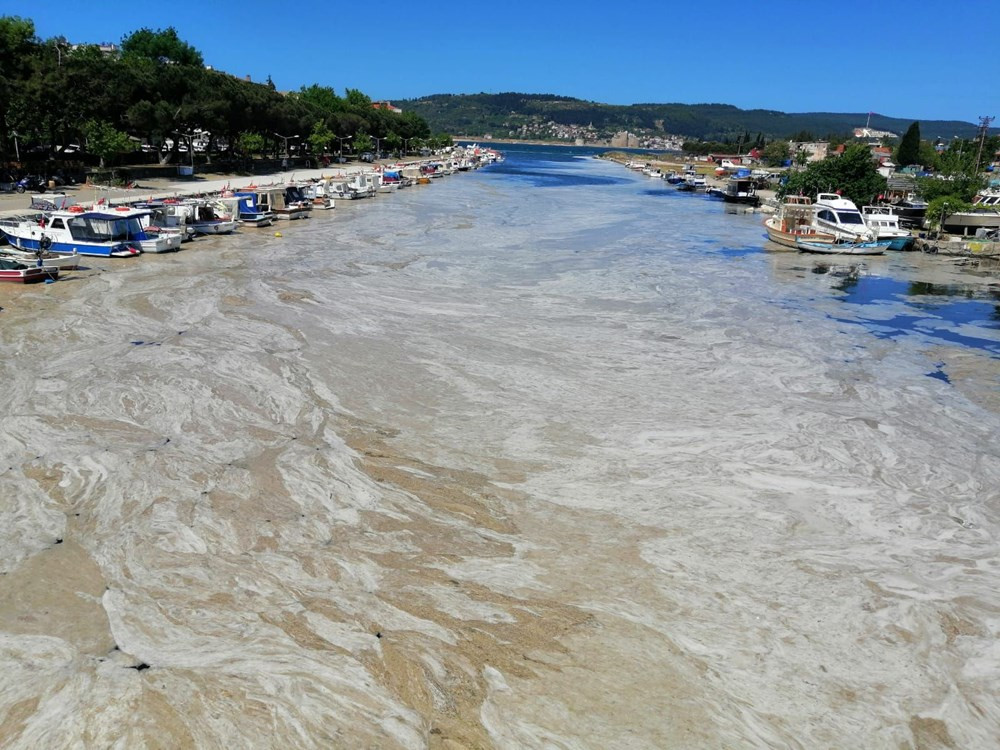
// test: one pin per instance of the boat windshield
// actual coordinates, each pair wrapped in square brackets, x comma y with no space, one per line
[850,217]
[93,229]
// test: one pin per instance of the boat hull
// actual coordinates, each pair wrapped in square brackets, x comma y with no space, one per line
[49,260]
[28,275]
[214,227]
[838,248]
[116,250]
[790,239]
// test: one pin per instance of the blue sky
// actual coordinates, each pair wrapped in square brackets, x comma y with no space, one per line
[913,58]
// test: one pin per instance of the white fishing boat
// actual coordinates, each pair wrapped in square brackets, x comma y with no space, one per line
[209,216]
[884,221]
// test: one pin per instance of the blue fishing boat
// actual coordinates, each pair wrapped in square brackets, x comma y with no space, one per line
[840,248]
[103,232]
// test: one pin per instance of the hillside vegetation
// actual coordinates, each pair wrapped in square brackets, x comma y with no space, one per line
[515,115]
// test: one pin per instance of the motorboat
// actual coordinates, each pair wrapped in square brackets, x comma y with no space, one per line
[244,207]
[272,199]
[167,218]
[884,221]
[840,248]
[295,196]
[742,191]
[22,273]
[316,194]
[792,220]
[836,215]
[104,232]
[210,216]
[912,211]
[693,184]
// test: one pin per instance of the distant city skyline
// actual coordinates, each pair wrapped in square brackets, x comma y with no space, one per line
[899,60]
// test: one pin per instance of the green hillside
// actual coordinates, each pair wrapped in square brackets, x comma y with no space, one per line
[515,115]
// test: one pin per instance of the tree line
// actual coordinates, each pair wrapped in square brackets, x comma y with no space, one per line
[155,90]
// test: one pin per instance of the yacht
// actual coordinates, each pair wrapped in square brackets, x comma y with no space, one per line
[838,216]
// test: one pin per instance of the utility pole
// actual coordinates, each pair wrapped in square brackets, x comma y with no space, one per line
[984,126]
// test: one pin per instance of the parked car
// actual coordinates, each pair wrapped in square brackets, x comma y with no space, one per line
[368,156]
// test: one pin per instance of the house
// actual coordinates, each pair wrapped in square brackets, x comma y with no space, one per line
[387,105]
[815,151]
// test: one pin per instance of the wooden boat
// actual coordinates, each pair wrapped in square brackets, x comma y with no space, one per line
[840,248]
[21,273]
[794,219]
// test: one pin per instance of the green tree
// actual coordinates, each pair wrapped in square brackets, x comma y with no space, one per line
[163,45]
[777,153]
[362,142]
[942,207]
[909,148]
[247,144]
[105,141]
[854,174]
[320,138]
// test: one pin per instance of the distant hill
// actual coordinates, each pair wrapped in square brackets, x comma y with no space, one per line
[526,115]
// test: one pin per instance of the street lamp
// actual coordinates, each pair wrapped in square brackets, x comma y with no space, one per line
[286,139]
[340,153]
[17,151]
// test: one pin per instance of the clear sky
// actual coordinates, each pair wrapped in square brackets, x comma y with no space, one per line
[920,59]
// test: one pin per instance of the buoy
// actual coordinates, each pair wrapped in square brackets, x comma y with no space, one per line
[277,234]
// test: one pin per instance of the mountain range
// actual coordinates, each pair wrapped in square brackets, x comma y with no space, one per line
[518,115]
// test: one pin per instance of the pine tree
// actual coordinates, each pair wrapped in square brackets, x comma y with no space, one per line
[909,148]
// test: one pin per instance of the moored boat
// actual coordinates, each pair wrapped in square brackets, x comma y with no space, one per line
[792,220]
[22,273]
[836,215]
[839,248]
[742,191]
[884,221]
[103,232]
[69,262]
[244,207]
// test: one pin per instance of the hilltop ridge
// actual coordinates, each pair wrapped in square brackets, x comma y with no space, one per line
[554,117]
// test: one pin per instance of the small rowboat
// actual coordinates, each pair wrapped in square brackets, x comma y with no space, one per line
[20,273]
[840,248]
[55,260]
